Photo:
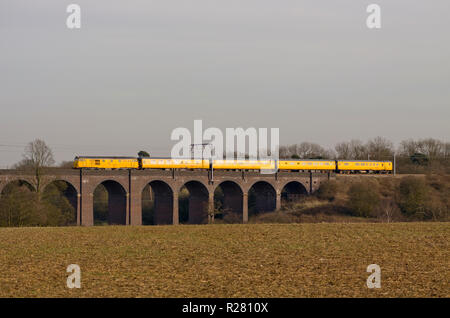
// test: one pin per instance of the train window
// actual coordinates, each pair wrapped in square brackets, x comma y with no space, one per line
[97,162]
[346,163]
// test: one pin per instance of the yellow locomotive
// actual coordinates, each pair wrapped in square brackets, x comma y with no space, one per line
[338,166]
[106,163]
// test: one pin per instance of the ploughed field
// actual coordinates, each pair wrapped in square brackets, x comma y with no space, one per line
[254,260]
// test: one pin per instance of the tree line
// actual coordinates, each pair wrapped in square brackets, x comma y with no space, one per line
[378,148]
[412,156]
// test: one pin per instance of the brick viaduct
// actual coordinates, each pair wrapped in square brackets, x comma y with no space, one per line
[125,189]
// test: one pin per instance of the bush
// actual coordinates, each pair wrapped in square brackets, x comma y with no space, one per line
[388,211]
[363,199]
[231,217]
[413,196]
[328,190]
[273,217]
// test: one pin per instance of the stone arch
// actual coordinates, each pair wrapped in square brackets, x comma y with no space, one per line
[67,190]
[262,198]
[292,191]
[194,208]
[116,205]
[159,208]
[228,201]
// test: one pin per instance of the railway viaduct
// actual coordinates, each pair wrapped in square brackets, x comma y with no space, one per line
[125,191]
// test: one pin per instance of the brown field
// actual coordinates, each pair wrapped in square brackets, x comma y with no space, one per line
[255,260]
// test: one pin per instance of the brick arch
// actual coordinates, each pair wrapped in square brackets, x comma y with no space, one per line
[292,190]
[183,182]
[265,197]
[9,181]
[117,201]
[285,183]
[239,184]
[273,184]
[106,179]
[72,194]
[230,202]
[163,202]
[198,202]
[146,182]
[76,186]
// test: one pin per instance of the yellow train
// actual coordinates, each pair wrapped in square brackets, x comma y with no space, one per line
[338,166]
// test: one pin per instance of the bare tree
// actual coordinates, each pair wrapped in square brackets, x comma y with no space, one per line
[388,210]
[284,152]
[408,147]
[37,156]
[358,150]
[292,150]
[308,150]
[433,148]
[343,150]
[380,148]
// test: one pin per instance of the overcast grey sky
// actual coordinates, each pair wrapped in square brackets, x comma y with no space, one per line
[138,69]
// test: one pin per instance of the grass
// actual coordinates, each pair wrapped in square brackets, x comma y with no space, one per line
[255,260]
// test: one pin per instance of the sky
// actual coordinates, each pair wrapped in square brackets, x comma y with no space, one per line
[136,70]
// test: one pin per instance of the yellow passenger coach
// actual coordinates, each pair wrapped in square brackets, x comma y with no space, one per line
[168,163]
[307,165]
[363,165]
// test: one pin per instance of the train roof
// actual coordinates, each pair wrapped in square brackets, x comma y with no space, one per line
[104,157]
[125,157]
[287,159]
[352,160]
